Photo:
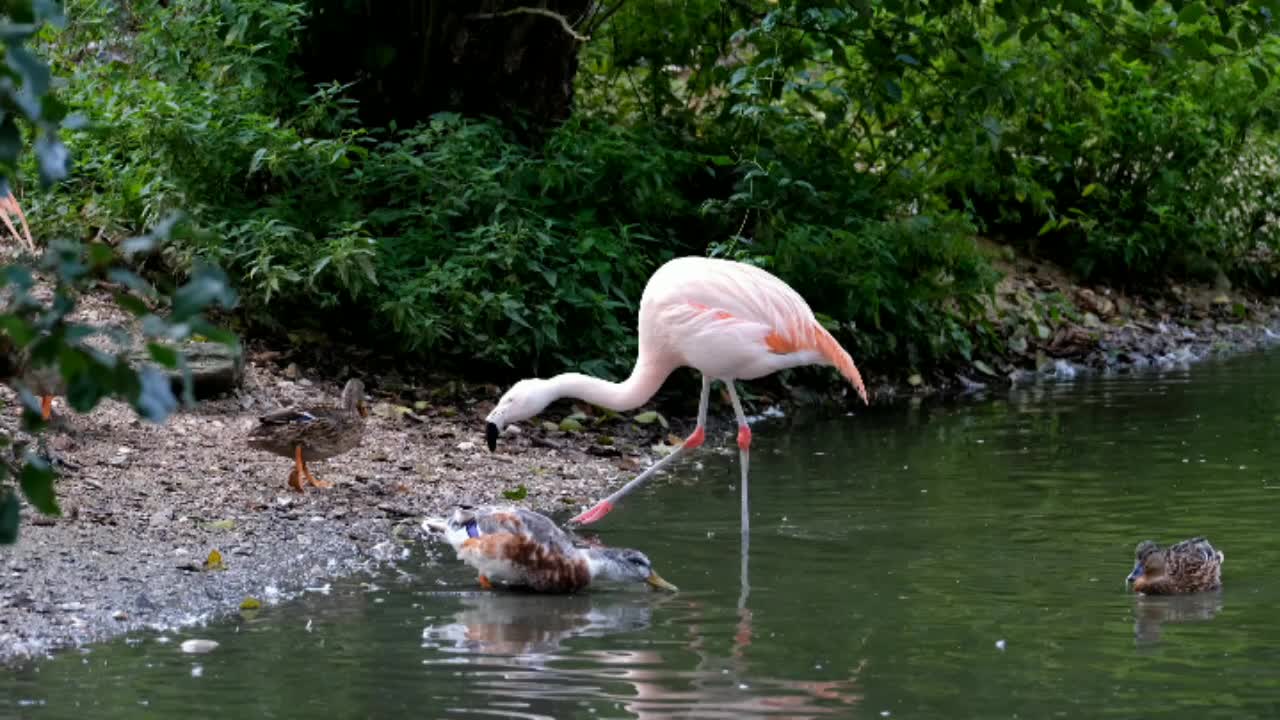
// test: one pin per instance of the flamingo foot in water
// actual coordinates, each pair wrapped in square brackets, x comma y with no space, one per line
[595,514]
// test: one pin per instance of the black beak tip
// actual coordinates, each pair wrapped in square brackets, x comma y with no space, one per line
[491,436]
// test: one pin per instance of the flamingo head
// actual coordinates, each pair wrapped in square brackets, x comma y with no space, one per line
[524,400]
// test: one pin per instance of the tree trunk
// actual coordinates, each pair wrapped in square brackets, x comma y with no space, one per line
[413,58]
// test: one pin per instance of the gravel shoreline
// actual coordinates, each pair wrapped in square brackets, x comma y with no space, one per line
[144,505]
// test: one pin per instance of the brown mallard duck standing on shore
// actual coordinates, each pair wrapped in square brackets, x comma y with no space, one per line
[313,433]
[1188,567]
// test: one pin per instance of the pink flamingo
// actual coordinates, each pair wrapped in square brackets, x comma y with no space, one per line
[728,320]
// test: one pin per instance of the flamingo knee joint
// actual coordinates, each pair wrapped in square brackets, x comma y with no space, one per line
[696,439]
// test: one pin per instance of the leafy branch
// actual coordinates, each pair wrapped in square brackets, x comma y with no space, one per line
[38,336]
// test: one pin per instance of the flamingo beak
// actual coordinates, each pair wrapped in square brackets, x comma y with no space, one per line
[655,580]
[491,435]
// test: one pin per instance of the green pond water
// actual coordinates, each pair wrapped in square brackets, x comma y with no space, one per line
[957,561]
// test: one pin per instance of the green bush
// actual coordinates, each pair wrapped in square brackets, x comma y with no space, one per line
[451,240]
[1119,167]
[853,153]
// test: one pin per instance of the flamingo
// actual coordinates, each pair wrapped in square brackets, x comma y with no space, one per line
[727,320]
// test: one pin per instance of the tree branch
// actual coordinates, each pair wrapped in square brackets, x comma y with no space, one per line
[599,18]
[564,23]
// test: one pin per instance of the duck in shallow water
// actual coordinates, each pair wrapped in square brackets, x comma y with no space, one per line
[1190,566]
[521,548]
[318,432]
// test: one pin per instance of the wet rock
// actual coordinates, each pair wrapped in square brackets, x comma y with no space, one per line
[1099,305]
[199,646]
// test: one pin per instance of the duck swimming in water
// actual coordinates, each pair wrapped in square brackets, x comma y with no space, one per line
[1190,566]
[521,548]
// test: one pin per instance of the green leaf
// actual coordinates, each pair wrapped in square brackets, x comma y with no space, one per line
[37,485]
[35,74]
[156,401]
[9,517]
[208,285]
[163,354]
[1196,48]
[10,140]
[1260,76]
[132,305]
[1089,189]
[1191,13]
[55,159]
[1227,42]
[650,417]
[1030,31]
[520,493]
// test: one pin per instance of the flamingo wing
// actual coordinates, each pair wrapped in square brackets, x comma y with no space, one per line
[732,320]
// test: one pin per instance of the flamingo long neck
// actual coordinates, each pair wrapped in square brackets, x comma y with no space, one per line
[629,394]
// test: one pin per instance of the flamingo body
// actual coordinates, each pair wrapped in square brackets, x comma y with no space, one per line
[728,320]
[731,321]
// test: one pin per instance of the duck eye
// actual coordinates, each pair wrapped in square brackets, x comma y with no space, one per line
[635,560]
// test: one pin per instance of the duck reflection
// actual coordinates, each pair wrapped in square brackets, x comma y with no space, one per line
[1152,612]
[518,623]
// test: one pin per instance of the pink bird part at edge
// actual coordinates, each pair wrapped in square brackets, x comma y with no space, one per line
[728,320]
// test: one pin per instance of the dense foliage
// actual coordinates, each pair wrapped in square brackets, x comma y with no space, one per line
[854,148]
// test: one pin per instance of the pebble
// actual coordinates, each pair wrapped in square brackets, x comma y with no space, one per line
[196,646]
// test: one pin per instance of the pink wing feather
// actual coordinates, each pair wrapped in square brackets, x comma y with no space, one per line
[742,309]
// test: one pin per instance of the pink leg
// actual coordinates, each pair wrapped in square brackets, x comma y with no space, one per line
[744,452]
[693,442]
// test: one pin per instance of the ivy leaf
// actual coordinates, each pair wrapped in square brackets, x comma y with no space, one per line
[55,159]
[8,517]
[1260,76]
[1191,13]
[37,485]
[156,401]
[163,354]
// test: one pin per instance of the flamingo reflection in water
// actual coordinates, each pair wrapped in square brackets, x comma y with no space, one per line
[519,646]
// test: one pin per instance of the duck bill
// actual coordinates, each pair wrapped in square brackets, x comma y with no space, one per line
[655,580]
[491,435]
[1137,573]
